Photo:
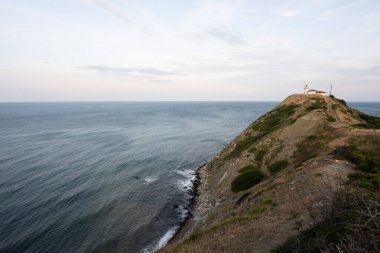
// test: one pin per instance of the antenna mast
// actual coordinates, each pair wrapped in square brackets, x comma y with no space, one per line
[330,89]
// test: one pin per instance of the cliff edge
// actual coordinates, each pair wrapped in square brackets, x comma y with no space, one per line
[278,181]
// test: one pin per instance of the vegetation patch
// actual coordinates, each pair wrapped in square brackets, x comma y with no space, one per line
[260,155]
[194,235]
[258,208]
[265,125]
[252,150]
[342,101]
[274,119]
[350,224]
[307,149]
[244,144]
[318,104]
[369,165]
[371,122]
[368,181]
[277,166]
[249,177]
[363,161]
[331,118]
[248,168]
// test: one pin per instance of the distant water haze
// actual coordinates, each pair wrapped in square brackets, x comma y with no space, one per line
[107,177]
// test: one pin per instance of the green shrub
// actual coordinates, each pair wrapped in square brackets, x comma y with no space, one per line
[247,180]
[277,166]
[369,178]
[342,101]
[368,181]
[363,161]
[275,118]
[248,168]
[371,122]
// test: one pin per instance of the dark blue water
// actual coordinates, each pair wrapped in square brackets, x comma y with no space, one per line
[105,177]
[370,108]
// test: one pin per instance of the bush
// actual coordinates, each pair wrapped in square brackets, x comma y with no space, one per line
[371,122]
[342,101]
[247,179]
[248,168]
[369,178]
[275,118]
[363,161]
[277,166]
[349,224]
[368,181]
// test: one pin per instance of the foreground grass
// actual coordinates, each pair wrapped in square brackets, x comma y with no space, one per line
[367,164]
[350,224]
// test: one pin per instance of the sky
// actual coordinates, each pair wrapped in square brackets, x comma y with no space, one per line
[189,50]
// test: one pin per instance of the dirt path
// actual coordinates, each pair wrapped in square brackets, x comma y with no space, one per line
[331,110]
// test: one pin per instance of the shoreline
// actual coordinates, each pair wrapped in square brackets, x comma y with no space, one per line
[194,215]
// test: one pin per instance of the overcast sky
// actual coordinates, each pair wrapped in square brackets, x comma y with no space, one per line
[91,50]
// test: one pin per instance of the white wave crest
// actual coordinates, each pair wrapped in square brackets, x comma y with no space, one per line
[150,180]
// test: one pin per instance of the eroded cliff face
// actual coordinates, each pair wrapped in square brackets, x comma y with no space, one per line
[272,181]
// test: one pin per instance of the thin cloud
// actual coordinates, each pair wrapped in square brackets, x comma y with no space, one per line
[112,11]
[130,71]
[226,35]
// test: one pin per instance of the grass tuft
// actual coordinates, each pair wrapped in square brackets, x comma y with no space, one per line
[369,165]
[318,104]
[349,224]
[277,166]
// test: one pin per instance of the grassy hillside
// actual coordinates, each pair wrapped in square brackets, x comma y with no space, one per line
[283,183]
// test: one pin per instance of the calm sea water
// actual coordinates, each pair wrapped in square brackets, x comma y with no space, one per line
[107,177]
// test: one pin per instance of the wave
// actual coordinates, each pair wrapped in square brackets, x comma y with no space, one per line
[162,242]
[150,180]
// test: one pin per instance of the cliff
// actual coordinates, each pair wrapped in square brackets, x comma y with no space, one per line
[274,185]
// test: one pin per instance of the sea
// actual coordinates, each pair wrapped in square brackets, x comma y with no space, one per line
[108,176]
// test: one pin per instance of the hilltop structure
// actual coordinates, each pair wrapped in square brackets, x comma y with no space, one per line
[308,91]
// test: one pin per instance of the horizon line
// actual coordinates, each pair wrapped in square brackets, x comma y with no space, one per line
[155,101]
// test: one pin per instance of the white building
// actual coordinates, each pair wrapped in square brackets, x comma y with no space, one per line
[308,91]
